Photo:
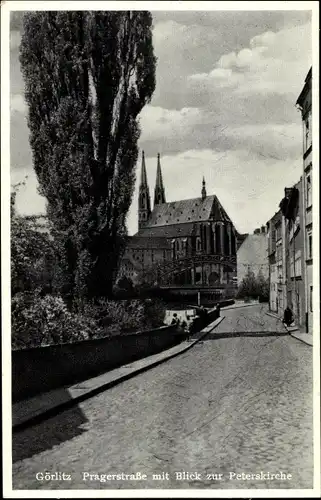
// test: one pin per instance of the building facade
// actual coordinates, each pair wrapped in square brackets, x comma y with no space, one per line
[276,243]
[304,103]
[285,238]
[253,254]
[189,242]
[272,226]
[292,213]
[290,234]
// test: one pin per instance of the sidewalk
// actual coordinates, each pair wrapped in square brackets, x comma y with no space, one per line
[28,412]
[295,331]
[240,304]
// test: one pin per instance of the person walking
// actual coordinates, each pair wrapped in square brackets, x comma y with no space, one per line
[288,316]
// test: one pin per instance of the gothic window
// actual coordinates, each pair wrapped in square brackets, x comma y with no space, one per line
[173,249]
[217,239]
[226,241]
[233,243]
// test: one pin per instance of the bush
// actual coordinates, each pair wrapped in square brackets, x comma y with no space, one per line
[40,321]
[114,317]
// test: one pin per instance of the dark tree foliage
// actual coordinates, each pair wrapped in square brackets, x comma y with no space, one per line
[87,77]
[254,286]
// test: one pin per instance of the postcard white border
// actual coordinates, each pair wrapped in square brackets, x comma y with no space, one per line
[6,8]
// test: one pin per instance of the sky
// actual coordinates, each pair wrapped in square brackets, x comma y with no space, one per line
[224,108]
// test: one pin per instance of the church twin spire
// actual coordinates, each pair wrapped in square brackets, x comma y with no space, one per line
[144,206]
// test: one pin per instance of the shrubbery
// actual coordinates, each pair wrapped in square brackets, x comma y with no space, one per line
[125,316]
[40,321]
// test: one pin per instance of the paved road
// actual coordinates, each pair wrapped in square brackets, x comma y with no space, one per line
[228,406]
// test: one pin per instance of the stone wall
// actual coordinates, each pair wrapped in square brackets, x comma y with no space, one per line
[41,369]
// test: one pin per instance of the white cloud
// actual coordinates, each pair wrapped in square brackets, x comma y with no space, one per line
[222,77]
[274,63]
[157,122]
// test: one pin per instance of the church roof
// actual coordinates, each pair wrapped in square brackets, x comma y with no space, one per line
[170,231]
[148,240]
[185,211]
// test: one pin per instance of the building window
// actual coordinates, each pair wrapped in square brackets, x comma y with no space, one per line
[310,250]
[308,131]
[292,267]
[309,191]
[311,298]
[297,261]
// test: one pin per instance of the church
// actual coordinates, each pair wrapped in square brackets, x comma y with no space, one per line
[189,242]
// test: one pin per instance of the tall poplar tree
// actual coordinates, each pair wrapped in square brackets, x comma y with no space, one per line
[87,77]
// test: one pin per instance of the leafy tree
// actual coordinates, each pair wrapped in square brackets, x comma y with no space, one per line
[87,77]
[248,286]
[263,286]
[254,286]
[32,255]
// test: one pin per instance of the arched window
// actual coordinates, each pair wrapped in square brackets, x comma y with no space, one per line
[173,249]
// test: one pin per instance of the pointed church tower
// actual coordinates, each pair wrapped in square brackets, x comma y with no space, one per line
[143,197]
[159,196]
[203,190]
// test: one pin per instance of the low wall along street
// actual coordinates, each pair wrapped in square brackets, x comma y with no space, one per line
[42,369]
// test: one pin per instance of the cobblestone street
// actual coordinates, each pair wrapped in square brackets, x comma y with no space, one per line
[240,404]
